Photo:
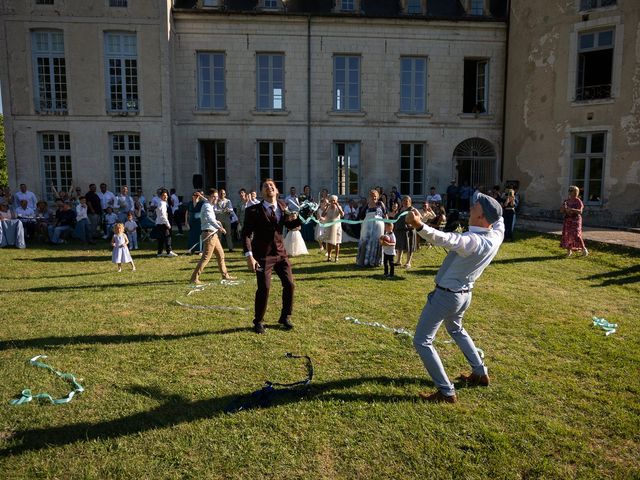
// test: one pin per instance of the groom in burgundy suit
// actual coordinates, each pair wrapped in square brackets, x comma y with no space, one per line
[264,249]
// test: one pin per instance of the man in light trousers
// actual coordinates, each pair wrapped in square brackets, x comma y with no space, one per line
[469,254]
[210,227]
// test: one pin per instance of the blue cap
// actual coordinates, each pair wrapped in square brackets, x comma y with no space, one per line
[490,207]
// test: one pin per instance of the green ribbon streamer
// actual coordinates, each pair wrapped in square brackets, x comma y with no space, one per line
[608,328]
[315,206]
[27,396]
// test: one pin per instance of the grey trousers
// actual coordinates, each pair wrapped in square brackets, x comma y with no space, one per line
[447,307]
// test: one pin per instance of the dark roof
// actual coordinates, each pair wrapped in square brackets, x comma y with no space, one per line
[436,9]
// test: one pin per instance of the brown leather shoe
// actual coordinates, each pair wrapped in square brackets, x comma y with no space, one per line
[475,380]
[438,397]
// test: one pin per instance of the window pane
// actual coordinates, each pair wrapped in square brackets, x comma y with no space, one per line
[578,169]
[595,193]
[580,144]
[597,143]
[595,169]
[587,40]
[605,38]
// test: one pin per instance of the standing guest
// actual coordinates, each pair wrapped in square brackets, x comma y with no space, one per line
[434,197]
[24,194]
[464,196]
[394,196]
[308,229]
[406,238]
[253,198]
[469,254]
[223,210]
[141,197]
[83,227]
[123,204]
[174,204]
[369,248]
[110,219]
[319,229]
[94,208]
[333,233]
[241,208]
[27,217]
[264,249]
[210,228]
[107,199]
[131,229]
[452,196]
[120,243]
[388,242]
[293,204]
[440,220]
[572,226]
[509,209]
[138,208]
[194,208]
[155,200]
[394,209]
[163,226]
[351,213]
[65,220]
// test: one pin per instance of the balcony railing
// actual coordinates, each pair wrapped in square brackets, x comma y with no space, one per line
[593,92]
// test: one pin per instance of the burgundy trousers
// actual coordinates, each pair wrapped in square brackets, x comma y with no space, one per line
[282,267]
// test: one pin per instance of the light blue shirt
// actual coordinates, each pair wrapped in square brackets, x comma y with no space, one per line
[208,218]
[469,253]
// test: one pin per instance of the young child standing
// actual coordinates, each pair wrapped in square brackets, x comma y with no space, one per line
[110,220]
[119,243]
[131,228]
[388,242]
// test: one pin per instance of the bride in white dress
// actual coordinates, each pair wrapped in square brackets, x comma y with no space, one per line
[294,243]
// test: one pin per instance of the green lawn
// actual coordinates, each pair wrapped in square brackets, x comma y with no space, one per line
[563,402]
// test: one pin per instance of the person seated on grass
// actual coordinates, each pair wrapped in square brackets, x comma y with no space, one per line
[27,216]
[65,221]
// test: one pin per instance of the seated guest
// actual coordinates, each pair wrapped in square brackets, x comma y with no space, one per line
[5,214]
[440,220]
[434,197]
[27,216]
[110,219]
[65,221]
[43,218]
[83,226]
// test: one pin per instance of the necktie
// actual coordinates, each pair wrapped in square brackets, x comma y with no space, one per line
[272,213]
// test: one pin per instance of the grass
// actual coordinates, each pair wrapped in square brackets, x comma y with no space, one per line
[158,377]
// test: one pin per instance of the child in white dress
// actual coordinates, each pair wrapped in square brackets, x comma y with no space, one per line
[121,252]
[294,243]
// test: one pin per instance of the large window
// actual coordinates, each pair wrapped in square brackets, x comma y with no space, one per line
[412,163]
[270,81]
[595,65]
[587,165]
[122,72]
[211,82]
[118,3]
[476,86]
[347,5]
[592,4]
[214,158]
[346,158]
[55,151]
[413,84]
[346,83]
[271,162]
[270,3]
[49,71]
[477,7]
[125,152]
[414,7]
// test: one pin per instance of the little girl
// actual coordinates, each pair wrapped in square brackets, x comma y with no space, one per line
[119,243]
[131,228]
[388,242]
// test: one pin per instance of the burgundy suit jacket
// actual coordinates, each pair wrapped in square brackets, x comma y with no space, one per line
[263,236]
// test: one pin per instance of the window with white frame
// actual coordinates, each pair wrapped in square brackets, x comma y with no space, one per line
[414,7]
[587,165]
[127,166]
[270,81]
[118,3]
[476,7]
[347,5]
[271,162]
[346,161]
[595,65]
[413,84]
[412,166]
[211,81]
[214,160]
[49,67]
[593,4]
[55,151]
[270,3]
[122,72]
[346,83]
[476,86]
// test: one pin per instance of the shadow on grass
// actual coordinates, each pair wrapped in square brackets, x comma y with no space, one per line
[542,258]
[84,258]
[617,277]
[176,410]
[49,342]
[57,288]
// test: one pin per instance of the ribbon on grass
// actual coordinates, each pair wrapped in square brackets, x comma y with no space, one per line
[398,331]
[27,396]
[264,396]
[601,323]
[201,288]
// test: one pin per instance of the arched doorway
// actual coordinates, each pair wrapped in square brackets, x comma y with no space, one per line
[475,161]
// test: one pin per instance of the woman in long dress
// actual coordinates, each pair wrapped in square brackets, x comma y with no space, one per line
[405,234]
[572,226]
[333,233]
[369,248]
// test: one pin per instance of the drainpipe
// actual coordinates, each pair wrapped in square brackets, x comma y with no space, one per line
[504,95]
[309,99]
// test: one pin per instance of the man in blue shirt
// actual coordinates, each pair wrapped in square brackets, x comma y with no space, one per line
[469,254]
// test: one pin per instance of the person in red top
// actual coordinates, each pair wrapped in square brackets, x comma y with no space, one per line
[572,226]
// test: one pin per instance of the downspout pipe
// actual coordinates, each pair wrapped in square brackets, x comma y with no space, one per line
[309,99]
[504,93]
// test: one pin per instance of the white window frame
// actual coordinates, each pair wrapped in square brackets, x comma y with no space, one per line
[582,7]
[127,86]
[341,97]
[275,96]
[270,170]
[414,7]
[126,160]
[579,97]
[408,187]
[412,85]
[50,95]
[56,154]
[481,88]
[587,156]
[217,85]
[343,164]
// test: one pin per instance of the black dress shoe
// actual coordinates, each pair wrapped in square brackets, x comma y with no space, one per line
[259,328]
[286,323]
